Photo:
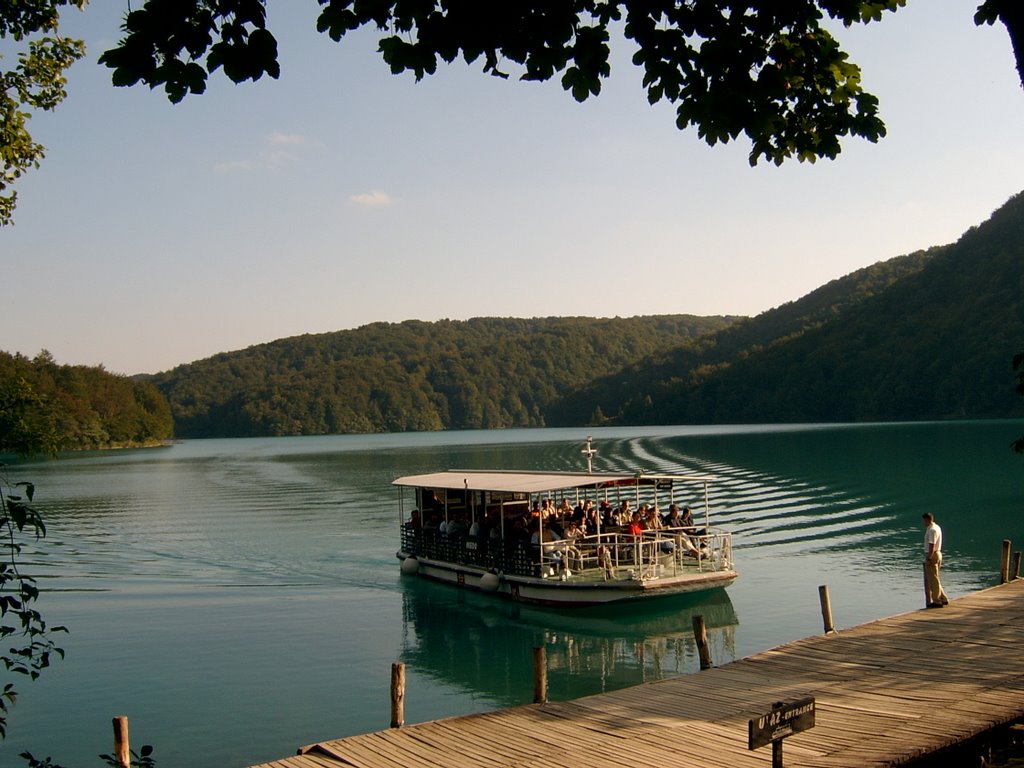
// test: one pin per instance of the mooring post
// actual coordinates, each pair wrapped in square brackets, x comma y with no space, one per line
[540,675]
[826,609]
[1016,565]
[397,694]
[700,634]
[122,749]
[1004,566]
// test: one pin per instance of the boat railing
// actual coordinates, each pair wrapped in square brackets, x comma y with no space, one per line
[505,556]
[653,554]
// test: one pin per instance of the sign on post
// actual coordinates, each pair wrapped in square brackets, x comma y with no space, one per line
[785,719]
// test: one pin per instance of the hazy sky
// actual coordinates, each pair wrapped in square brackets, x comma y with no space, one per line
[158,234]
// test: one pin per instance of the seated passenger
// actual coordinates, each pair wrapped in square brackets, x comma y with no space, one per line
[565,509]
[573,532]
[457,527]
[547,536]
[579,512]
[652,520]
[625,513]
[547,509]
[519,530]
[689,546]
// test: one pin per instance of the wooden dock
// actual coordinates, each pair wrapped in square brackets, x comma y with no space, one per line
[886,693]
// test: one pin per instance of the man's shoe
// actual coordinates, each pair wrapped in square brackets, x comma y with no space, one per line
[936,605]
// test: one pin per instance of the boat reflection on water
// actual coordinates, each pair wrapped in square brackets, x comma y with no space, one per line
[485,646]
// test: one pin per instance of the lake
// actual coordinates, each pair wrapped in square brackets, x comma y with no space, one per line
[240,598]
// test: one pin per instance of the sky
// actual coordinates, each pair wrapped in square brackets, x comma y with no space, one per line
[155,234]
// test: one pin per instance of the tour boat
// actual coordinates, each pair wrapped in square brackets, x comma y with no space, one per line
[511,533]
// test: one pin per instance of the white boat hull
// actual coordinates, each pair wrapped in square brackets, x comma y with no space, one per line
[567,592]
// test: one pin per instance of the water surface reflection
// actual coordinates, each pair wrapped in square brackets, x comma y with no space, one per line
[485,646]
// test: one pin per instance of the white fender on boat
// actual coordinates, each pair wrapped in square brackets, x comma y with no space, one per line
[489,582]
[410,565]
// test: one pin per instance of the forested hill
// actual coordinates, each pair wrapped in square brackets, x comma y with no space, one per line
[410,376]
[930,335]
[46,408]
[926,336]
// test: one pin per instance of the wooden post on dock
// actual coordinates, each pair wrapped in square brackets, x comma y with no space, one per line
[1016,566]
[122,749]
[1004,567]
[397,694]
[826,609]
[700,634]
[540,675]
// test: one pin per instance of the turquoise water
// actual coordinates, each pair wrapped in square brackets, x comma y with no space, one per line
[240,598]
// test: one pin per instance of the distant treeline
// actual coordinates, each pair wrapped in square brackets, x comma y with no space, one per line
[46,407]
[413,376]
[931,335]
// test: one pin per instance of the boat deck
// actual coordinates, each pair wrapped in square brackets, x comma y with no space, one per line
[886,692]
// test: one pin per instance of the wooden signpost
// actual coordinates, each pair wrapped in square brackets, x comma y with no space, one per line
[785,719]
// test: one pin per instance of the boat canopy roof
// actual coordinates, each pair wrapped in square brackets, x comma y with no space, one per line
[537,482]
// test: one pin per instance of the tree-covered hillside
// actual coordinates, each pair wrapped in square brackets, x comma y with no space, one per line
[46,407]
[637,393]
[410,376]
[927,336]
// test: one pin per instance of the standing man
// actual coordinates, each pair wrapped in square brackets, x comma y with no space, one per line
[934,595]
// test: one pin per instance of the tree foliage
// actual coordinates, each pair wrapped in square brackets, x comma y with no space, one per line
[772,71]
[1011,14]
[412,376]
[926,336]
[1018,366]
[20,623]
[34,82]
[769,70]
[46,407]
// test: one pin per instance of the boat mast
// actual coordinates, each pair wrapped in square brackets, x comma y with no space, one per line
[589,452]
